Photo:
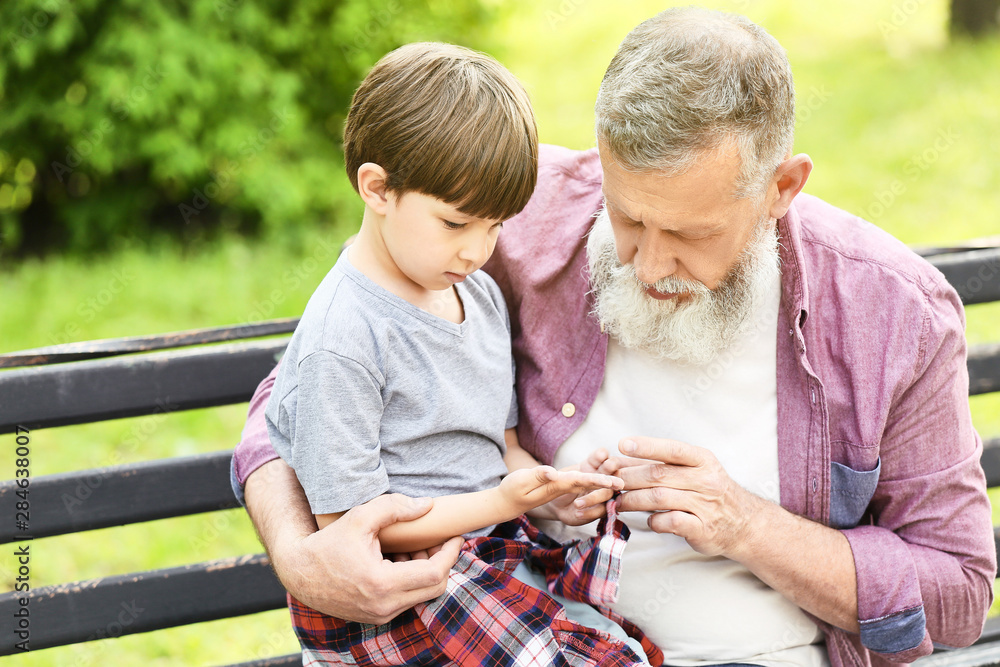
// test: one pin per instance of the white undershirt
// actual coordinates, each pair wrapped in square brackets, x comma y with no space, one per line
[699,610]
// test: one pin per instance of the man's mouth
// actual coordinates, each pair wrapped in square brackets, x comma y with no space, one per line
[661,296]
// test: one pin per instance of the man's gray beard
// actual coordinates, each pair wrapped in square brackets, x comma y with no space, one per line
[706,324]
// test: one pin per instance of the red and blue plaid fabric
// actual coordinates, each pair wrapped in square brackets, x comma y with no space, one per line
[488,618]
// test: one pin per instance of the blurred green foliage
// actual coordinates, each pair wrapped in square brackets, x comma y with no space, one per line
[137,118]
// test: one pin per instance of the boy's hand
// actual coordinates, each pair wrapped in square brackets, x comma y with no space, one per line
[582,508]
[528,488]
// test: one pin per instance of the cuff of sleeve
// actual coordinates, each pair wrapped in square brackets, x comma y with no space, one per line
[890,607]
[235,483]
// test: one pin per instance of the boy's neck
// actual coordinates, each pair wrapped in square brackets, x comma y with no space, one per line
[369,255]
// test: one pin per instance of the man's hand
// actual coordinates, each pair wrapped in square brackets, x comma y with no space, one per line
[340,570]
[577,509]
[689,493]
[528,488]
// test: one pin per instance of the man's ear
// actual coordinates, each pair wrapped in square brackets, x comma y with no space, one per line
[789,179]
[371,187]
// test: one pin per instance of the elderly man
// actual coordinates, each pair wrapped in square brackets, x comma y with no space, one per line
[785,384]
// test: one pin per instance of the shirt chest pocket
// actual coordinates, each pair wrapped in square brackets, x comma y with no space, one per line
[850,492]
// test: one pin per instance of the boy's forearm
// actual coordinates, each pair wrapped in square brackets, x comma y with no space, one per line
[516,458]
[451,516]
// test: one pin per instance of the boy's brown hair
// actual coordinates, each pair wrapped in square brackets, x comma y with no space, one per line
[447,122]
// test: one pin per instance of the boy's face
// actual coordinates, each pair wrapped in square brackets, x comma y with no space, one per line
[432,243]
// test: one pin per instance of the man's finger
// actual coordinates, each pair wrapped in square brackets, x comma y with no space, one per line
[677,523]
[665,450]
[657,499]
[415,576]
[658,475]
[386,510]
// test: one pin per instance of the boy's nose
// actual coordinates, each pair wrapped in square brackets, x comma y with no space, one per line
[476,252]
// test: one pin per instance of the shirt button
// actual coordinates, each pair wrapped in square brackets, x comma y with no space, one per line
[568,410]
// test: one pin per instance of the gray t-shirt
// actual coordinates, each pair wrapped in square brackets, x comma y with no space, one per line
[375,395]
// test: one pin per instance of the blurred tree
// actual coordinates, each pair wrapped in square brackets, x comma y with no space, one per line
[974,17]
[128,118]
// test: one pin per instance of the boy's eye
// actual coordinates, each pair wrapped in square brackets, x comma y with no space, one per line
[453,225]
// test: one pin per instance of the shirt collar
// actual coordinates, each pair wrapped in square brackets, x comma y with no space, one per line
[794,286]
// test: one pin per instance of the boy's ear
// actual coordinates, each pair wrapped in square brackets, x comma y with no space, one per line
[371,187]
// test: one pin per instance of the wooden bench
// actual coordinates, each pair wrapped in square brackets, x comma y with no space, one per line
[89,382]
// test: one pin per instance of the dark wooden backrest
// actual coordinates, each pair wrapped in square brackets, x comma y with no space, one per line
[89,382]
[107,380]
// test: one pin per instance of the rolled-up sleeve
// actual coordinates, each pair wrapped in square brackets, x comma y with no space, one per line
[926,566]
[254,448]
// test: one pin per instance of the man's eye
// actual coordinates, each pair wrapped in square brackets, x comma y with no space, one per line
[453,225]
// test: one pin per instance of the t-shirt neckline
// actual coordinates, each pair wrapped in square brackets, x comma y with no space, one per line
[369,285]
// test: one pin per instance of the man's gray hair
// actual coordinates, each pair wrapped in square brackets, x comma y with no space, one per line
[690,80]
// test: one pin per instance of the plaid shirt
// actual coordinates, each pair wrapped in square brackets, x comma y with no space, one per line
[488,618]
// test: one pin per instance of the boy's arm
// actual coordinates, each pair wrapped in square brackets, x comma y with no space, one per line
[572,509]
[454,515]
[339,571]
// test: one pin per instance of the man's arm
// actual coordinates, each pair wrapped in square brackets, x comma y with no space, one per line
[810,564]
[340,570]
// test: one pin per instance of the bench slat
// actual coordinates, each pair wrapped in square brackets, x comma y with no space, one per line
[991,631]
[984,369]
[991,462]
[282,661]
[103,497]
[88,391]
[158,382]
[146,601]
[113,347]
[975,275]
[985,655]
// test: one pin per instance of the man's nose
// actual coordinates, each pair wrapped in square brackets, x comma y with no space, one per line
[654,258]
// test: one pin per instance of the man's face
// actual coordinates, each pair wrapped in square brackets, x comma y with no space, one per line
[679,266]
[688,226]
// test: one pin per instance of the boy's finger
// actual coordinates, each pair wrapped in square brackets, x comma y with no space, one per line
[598,497]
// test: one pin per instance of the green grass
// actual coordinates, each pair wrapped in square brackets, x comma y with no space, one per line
[869,104]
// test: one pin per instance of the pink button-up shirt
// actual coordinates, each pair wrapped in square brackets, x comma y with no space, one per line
[874,432]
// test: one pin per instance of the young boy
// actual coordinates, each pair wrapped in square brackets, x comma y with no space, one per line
[399,378]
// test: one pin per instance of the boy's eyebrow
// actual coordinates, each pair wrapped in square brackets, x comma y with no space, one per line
[463,217]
